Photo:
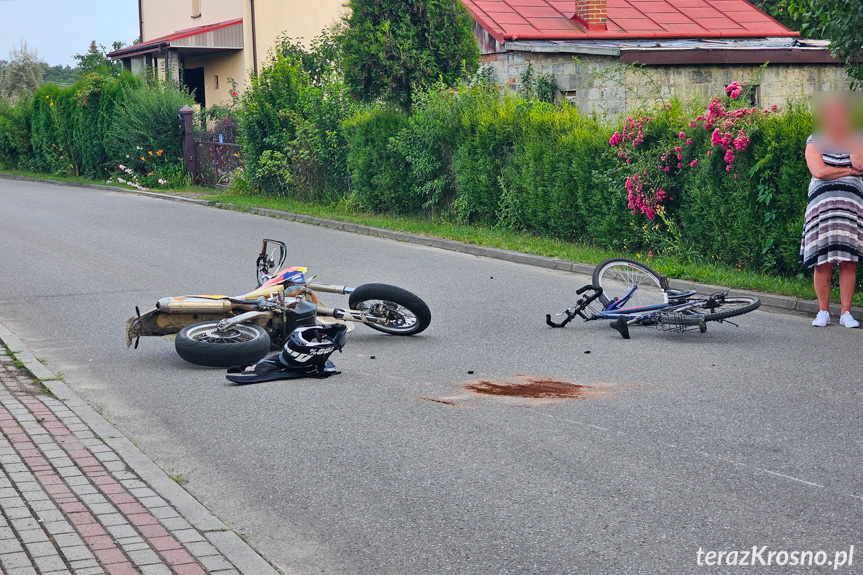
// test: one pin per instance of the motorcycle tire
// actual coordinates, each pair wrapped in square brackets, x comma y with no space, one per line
[202,344]
[409,314]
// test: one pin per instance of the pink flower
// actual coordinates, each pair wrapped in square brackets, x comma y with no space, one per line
[679,165]
[693,123]
[694,162]
[678,149]
[741,141]
[615,139]
[735,176]
[716,138]
[708,152]
[679,156]
[681,135]
[688,141]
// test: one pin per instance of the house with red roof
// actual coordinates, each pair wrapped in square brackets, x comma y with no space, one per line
[611,55]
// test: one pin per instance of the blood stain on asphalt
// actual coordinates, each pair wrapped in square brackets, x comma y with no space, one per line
[444,402]
[531,387]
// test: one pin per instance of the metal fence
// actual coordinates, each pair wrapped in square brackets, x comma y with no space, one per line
[217,162]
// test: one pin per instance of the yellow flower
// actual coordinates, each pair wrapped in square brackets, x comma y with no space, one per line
[143,159]
[150,174]
[160,152]
[52,103]
[151,153]
[48,97]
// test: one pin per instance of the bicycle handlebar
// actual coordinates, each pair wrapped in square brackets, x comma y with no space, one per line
[579,308]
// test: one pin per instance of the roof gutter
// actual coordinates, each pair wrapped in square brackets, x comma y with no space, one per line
[688,56]
[594,35]
[254,39]
[139,50]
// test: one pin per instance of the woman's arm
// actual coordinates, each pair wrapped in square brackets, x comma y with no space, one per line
[822,171]
[857,163]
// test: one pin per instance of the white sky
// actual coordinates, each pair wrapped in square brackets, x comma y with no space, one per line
[59,29]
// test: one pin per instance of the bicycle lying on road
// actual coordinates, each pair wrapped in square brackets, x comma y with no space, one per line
[631,294]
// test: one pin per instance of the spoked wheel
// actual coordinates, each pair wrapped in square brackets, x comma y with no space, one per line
[719,306]
[205,344]
[403,312]
[618,276]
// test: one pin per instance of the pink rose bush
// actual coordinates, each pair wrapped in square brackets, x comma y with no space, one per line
[727,130]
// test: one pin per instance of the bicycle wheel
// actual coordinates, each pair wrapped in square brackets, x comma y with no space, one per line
[618,276]
[720,307]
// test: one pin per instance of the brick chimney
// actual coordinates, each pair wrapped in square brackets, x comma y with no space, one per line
[591,12]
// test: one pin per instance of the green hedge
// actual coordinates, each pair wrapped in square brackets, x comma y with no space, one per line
[291,129]
[475,156]
[93,127]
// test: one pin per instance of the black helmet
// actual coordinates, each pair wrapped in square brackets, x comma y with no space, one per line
[305,355]
[309,347]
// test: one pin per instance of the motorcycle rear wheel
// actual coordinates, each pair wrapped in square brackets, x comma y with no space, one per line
[203,344]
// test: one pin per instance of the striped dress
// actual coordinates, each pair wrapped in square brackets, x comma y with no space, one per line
[833,227]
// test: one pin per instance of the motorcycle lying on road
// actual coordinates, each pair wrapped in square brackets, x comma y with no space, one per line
[223,331]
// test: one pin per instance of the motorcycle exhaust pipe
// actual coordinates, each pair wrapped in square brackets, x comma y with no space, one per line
[193,305]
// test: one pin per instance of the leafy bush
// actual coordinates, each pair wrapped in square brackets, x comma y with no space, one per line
[52,131]
[143,130]
[382,177]
[291,129]
[15,148]
[98,98]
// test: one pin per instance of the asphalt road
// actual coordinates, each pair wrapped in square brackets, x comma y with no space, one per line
[737,437]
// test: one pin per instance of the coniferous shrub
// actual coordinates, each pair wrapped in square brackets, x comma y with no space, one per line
[393,49]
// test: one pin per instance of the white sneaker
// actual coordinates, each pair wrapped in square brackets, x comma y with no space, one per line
[848,321]
[822,319]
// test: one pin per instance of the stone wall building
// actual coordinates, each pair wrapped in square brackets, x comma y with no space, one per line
[613,56]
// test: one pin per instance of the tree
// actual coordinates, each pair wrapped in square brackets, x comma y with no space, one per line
[840,21]
[96,61]
[60,75]
[781,10]
[22,74]
[390,48]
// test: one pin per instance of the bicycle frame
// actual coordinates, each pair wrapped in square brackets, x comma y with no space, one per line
[623,317]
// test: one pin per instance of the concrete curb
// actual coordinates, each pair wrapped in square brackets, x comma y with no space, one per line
[228,543]
[773,302]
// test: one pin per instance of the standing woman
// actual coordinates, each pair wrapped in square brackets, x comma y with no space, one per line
[833,228]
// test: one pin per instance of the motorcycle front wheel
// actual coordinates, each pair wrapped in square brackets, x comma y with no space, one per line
[403,312]
[204,344]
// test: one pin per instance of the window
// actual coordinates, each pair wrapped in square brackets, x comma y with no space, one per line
[751,94]
[216,81]
[196,8]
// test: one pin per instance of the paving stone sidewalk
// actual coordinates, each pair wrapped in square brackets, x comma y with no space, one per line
[69,504]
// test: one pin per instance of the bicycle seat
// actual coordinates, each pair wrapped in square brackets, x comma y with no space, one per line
[679,294]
